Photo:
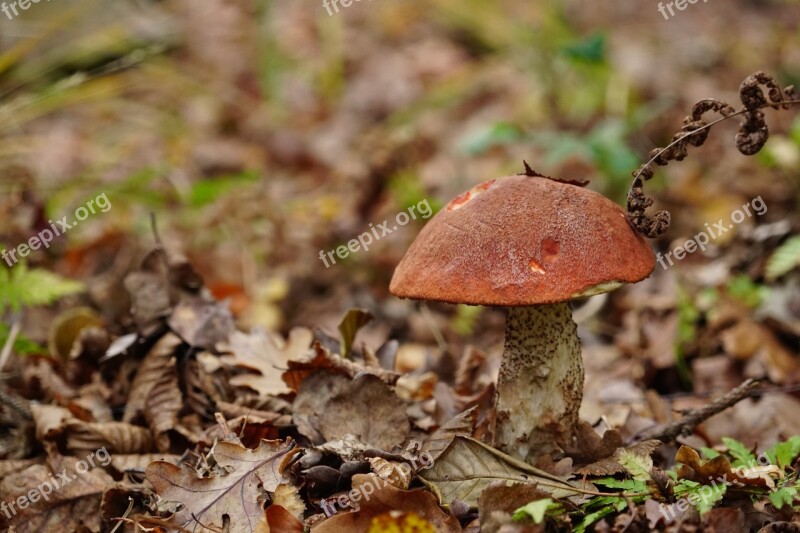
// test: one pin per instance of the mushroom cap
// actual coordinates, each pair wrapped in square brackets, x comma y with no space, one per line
[521,240]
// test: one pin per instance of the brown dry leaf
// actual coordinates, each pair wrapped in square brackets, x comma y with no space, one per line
[70,506]
[288,498]
[162,406]
[418,387]
[150,302]
[231,410]
[150,371]
[280,520]
[724,519]
[92,404]
[461,424]
[202,323]
[386,499]
[468,466]
[499,500]
[611,465]
[50,420]
[590,447]
[267,354]
[140,461]
[53,385]
[117,437]
[236,494]
[202,388]
[332,406]
[8,467]
[719,467]
[322,359]
[391,472]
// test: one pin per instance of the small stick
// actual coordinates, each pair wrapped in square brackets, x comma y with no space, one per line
[695,417]
[16,326]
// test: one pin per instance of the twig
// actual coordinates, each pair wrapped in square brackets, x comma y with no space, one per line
[692,419]
[16,326]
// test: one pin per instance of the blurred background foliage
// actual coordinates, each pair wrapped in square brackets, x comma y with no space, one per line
[260,132]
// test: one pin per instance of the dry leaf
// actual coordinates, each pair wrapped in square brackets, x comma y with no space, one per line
[590,447]
[117,437]
[461,424]
[720,468]
[139,461]
[396,475]
[73,503]
[332,406]
[50,420]
[202,323]
[504,499]
[236,494]
[467,467]
[322,359]
[162,406]
[611,465]
[149,373]
[267,354]
[280,520]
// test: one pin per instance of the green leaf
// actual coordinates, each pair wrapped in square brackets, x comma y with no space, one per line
[609,147]
[499,134]
[627,485]
[783,496]
[739,451]
[22,345]
[747,291]
[466,316]
[783,453]
[702,497]
[638,466]
[709,453]
[536,510]
[591,50]
[209,190]
[20,287]
[784,259]
[610,505]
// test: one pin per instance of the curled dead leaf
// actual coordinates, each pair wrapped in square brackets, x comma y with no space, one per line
[237,494]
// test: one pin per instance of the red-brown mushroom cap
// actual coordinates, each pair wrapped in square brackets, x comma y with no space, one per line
[523,240]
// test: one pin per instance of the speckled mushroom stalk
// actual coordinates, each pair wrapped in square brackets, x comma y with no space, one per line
[540,386]
[530,244]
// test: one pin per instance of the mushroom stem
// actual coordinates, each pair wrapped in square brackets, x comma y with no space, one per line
[540,386]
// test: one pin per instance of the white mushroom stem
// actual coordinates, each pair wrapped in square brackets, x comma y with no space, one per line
[540,386]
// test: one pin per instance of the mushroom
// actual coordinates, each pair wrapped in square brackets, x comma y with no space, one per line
[531,244]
